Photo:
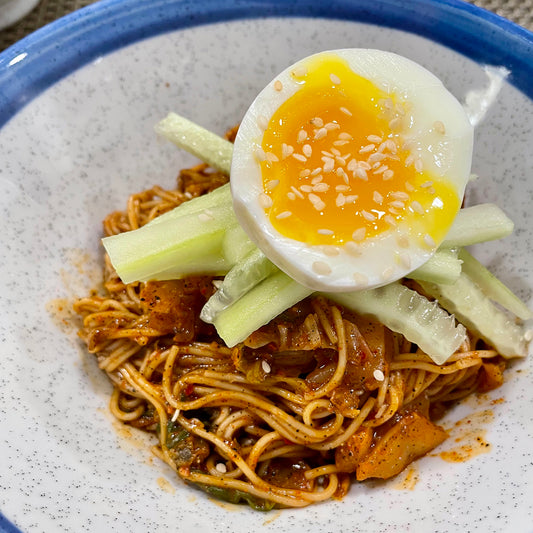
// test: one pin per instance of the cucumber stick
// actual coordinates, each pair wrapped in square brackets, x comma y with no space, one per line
[442,267]
[492,287]
[479,223]
[258,307]
[245,275]
[476,311]
[409,313]
[177,247]
[204,144]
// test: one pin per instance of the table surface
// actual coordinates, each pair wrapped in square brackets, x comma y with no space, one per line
[519,11]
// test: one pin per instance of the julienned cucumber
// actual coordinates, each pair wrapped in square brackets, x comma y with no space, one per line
[258,307]
[472,308]
[411,314]
[479,223]
[189,244]
[442,267]
[245,275]
[492,287]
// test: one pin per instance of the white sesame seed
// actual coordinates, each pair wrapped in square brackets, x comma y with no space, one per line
[284,214]
[394,211]
[438,126]
[342,188]
[329,164]
[377,197]
[367,148]
[374,139]
[313,198]
[221,467]
[387,103]
[429,241]
[278,86]
[316,171]
[427,184]
[331,126]
[304,173]
[399,195]
[395,123]
[317,122]
[360,279]
[378,375]
[321,187]
[177,411]
[340,200]
[321,133]
[352,165]
[317,179]
[402,240]
[528,335]
[260,154]
[286,150]
[331,251]
[376,165]
[307,150]
[272,184]
[300,157]
[273,158]
[302,136]
[375,157]
[431,190]
[340,143]
[361,174]
[387,273]
[266,367]
[321,268]
[368,216]
[296,192]
[262,122]
[188,195]
[336,152]
[325,231]
[346,111]
[380,169]
[351,198]
[417,207]
[397,204]
[409,160]
[359,234]
[319,205]
[344,136]
[204,217]
[306,188]
[265,201]
[391,221]
[364,165]
[327,154]
[334,79]
[391,146]
[353,249]
[405,260]
[299,71]
[409,186]
[291,195]
[419,166]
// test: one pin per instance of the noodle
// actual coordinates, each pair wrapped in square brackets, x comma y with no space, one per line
[276,422]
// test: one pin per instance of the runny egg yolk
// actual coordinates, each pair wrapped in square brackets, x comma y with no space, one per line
[338,166]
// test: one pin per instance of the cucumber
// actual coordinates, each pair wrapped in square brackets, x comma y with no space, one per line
[442,267]
[492,287]
[479,223]
[471,307]
[203,144]
[177,247]
[238,281]
[407,312]
[258,307]
[237,245]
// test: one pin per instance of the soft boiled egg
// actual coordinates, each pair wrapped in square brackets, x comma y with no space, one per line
[349,168]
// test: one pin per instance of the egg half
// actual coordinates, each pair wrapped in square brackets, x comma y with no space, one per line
[349,168]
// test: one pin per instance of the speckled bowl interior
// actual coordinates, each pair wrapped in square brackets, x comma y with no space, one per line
[76,143]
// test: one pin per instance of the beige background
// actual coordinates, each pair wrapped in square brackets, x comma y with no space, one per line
[519,11]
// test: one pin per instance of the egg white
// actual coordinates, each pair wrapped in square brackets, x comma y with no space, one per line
[377,260]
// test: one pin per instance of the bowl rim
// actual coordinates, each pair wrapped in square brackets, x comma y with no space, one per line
[51,53]
[44,57]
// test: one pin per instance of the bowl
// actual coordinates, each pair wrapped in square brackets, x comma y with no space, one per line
[78,103]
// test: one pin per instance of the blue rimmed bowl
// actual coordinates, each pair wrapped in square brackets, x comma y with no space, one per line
[78,102]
